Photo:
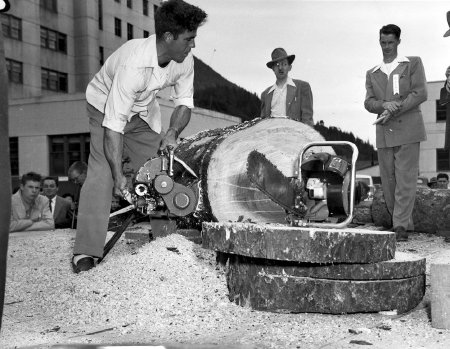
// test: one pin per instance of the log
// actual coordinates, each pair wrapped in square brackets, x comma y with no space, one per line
[440,295]
[288,289]
[431,210]
[219,157]
[299,244]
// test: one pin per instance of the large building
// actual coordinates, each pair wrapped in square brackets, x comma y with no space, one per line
[53,48]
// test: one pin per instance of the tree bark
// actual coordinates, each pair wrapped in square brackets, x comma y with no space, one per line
[431,210]
[219,157]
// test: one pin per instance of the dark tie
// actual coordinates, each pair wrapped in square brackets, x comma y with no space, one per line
[50,204]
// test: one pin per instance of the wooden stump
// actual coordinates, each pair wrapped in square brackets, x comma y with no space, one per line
[286,287]
[440,291]
[311,245]
[219,157]
[431,210]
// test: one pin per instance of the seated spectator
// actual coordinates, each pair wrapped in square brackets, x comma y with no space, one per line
[433,183]
[77,172]
[30,210]
[59,207]
[70,199]
[73,208]
[442,181]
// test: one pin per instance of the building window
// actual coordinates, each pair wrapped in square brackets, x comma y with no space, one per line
[118,27]
[100,14]
[50,5]
[65,150]
[12,27]
[442,160]
[14,155]
[15,71]
[101,52]
[145,7]
[155,8]
[53,40]
[146,33]
[441,112]
[129,31]
[53,80]
[129,3]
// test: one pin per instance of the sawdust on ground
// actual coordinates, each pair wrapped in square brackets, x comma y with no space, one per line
[171,292]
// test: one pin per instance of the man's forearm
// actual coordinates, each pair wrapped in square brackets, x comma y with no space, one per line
[113,148]
[179,119]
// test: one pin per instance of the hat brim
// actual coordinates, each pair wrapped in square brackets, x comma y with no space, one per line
[447,33]
[290,59]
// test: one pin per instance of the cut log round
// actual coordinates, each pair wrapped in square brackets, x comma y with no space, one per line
[219,157]
[431,210]
[298,289]
[299,244]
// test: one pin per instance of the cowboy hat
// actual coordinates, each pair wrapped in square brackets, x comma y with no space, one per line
[278,55]
[447,33]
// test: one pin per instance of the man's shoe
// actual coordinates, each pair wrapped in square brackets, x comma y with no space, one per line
[83,264]
[401,234]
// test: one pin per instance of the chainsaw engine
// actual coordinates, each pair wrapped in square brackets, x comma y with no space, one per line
[326,181]
[156,193]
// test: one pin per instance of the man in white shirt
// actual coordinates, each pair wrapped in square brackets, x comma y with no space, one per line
[395,89]
[287,98]
[125,119]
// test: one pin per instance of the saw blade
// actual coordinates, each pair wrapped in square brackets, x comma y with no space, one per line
[271,181]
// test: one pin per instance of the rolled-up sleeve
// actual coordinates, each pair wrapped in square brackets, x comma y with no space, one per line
[183,90]
[127,85]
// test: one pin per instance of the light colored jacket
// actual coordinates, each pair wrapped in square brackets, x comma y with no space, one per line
[20,221]
[407,126]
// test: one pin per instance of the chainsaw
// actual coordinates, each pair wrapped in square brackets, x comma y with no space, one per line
[155,193]
[323,192]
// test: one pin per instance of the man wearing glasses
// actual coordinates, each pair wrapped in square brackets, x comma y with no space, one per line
[287,98]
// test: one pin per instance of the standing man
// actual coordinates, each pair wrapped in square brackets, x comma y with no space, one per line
[60,208]
[287,98]
[394,91]
[125,119]
[29,209]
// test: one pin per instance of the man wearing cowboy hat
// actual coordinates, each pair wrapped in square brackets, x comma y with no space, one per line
[287,98]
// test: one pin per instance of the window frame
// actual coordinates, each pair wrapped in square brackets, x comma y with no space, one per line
[442,159]
[13,25]
[53,80]
[67,159]
[118,27]
[13,76]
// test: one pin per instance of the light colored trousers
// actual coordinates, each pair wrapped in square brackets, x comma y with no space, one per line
[140,143]
[399,168]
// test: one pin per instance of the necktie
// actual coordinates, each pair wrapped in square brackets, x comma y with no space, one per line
[50,205]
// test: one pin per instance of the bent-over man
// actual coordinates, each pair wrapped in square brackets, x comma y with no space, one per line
[125,119]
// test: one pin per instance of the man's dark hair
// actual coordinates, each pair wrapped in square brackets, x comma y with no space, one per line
[51,179]
[79,166]
[176,17]
[391,29]
[30,176]
[442,175]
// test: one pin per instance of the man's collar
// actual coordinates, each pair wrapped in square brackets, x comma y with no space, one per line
[398,59]
[289,81]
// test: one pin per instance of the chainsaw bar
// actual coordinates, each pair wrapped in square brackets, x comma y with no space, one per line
[272,182]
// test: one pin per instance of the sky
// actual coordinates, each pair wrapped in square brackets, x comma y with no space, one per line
[335,43]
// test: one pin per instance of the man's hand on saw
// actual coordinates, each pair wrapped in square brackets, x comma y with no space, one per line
[170,138]
[120,186]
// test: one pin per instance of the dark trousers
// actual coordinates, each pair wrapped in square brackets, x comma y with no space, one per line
[140,143]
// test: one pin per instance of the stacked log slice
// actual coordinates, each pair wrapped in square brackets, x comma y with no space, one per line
[297,269]
[298,244]
[219,157]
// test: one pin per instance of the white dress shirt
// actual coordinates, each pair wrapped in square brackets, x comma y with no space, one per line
[129,80]
[278,106]
[53,203]
[388,68]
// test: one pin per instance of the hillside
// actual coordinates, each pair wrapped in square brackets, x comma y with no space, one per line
[213,91]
